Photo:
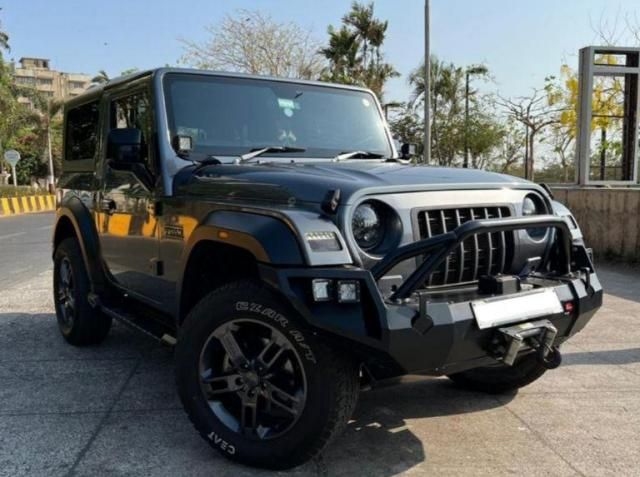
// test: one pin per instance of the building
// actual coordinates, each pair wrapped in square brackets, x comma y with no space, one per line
[36,73]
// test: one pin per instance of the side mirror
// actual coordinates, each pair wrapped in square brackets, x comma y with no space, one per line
[408,150]
[124,146]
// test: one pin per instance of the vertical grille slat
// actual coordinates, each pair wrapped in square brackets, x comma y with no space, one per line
[503,245]
[476,265]
[489,245]
[460,250]
[443,219]
[488,253]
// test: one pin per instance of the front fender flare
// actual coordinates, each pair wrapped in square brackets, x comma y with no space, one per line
[267,238]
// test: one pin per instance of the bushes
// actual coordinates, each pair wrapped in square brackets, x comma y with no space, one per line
[11,191]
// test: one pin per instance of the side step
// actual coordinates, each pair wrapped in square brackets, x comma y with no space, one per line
[148,326]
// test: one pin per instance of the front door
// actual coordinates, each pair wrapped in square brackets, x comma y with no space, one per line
[126,217]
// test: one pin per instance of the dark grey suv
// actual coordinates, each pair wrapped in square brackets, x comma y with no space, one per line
[268,229]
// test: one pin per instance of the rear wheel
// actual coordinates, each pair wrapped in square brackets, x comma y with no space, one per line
[79,323]
[256,385]
[501,379]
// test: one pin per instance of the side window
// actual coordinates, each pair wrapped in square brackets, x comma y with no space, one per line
[134,112]
[82,132]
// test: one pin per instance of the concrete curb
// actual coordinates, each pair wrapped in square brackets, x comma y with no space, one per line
[26,204]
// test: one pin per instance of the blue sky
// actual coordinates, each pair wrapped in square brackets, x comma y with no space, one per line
[521,41]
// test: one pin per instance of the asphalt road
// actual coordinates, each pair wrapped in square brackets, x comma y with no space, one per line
[25,247]
[112,409]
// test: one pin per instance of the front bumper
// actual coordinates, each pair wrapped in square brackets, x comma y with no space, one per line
[419,331]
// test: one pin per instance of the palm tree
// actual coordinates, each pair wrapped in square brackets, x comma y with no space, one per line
[354,50]
[46,110]
[342,54]
[4,40]
[101,78]
[361,19]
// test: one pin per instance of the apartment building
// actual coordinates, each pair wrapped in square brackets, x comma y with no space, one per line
[37,73]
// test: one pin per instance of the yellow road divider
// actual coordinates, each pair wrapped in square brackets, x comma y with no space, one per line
[26,204]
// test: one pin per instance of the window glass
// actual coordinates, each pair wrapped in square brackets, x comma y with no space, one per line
[82,132]
[231,116]
[134,112]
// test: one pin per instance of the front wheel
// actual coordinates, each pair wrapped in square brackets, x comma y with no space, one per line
[258,386]
[501,378]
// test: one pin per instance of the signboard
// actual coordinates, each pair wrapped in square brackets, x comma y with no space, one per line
[12,157]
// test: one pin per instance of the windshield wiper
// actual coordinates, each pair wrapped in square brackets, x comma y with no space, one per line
[357,154]
[258,152]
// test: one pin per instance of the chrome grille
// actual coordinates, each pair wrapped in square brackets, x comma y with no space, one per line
[481,254]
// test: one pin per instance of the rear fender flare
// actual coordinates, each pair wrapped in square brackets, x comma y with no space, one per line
[87,235]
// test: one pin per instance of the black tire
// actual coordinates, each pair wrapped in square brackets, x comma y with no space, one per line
[79,323]
[244,310]
[501,379]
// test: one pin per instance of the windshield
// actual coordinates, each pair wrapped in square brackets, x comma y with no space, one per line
[231,116]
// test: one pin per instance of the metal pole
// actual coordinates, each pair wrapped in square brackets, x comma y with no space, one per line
[52,178]
[466,122]
[427,86]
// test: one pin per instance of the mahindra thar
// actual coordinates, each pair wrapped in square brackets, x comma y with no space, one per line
[268,230]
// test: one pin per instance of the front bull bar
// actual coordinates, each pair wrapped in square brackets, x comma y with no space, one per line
[439,247]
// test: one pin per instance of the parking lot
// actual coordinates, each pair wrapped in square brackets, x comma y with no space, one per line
[112,410]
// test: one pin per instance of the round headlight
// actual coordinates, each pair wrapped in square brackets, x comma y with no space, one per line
[367,226]
[529,207]
[533,205]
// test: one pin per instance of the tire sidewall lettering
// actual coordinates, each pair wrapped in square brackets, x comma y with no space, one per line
[296,336]
[221,443]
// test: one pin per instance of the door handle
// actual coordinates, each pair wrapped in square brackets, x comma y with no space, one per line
[108,206]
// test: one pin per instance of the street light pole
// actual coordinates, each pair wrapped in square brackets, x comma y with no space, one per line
[471,70]
[427,86]
[52,178]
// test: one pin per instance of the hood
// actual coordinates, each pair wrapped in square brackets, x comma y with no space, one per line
[309,182]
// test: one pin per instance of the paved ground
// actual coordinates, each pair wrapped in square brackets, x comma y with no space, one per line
[29,232]
[112,410]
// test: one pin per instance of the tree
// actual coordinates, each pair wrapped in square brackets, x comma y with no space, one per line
[607,108]
[451,128]
[508,156]
[250,41]
[484,134]
[355,53]
[101,78]
[407,127]
[535,114]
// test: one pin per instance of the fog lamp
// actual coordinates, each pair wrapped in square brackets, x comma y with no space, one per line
[348,291]
[321,288]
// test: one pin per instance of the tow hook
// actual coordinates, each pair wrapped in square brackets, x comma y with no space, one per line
[537,335]
[550,358]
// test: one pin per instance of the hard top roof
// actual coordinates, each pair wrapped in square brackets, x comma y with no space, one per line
[97,90]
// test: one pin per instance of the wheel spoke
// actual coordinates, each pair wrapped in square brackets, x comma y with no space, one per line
[271,352]
[232,348]
[248,416]
[282,399]
[221,384]
[65,273]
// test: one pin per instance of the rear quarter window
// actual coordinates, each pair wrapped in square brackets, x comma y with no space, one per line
[81,134]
